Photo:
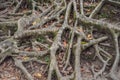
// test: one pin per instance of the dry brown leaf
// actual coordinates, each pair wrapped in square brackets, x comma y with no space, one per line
[34,23]
[27,49]
[65,44]
[60,62]
[25,58]
[60,57]
[82,69]
[88,10]
[46,26]
[38,75]
[62,17]
[69,68]
[58,25]
[60,65]
[38,48]
[89,36]
[45,17]
[63,71]
[80,30]
[70,21]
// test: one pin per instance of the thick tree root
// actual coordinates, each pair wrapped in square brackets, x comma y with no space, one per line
[63,15]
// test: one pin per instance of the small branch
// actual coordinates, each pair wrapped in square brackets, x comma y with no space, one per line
[33,5]
[4,11]
[92,42]
[98,24]
[32,53]
[75,9]
[113,2]
[81,7]
[34,32]
[19,64]
[10,24]
[67,13]
[4,54]
[116,62]
[40,44]
[105,53]
[53,49]
[17,7]
[42,22]
[36,60]
[98,53]
[20,14]
[77,60]
[100,72]
[97,9]
[70,48]
[55,46]
[105,62]
[46,11]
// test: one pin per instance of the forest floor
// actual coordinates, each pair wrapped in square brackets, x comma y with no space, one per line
[59,40]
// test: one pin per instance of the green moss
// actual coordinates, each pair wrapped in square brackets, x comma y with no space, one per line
[41,39]
[103,15]
[84,42]
[74,14]
[47,58]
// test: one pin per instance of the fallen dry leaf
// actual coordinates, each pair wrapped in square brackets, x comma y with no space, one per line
[62,17]
[27,49]
[65,44]
[45,17]
[25,58]
[38,48]
[34,23]
[58,25]
[89,36]
[69,68]
[82,69]
[88,10]
[60,65]
[80,30]
[38,75]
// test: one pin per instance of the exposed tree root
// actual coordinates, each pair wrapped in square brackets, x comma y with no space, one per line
[59,16]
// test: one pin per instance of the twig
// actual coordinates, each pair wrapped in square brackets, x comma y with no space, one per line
[19,64]
[17,7]
[81,7]
[97,9]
